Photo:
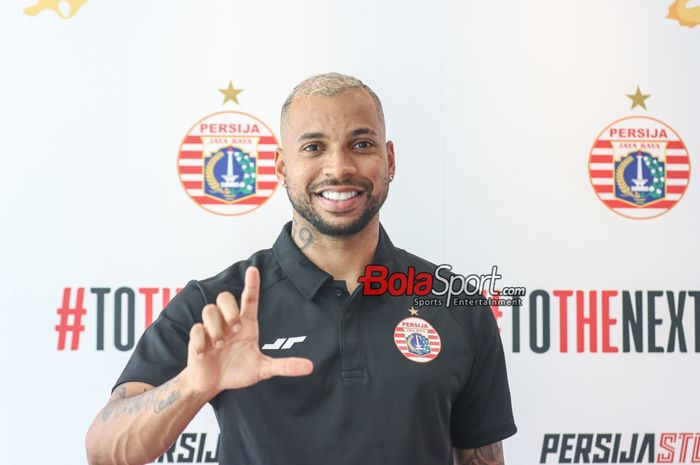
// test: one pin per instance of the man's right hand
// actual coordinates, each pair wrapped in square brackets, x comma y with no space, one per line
[223,351]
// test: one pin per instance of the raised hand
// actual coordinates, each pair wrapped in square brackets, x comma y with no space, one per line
[223,351]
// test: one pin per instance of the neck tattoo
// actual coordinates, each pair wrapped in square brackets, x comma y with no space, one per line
[303,236]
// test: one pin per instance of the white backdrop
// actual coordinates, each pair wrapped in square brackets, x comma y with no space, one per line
[493,107]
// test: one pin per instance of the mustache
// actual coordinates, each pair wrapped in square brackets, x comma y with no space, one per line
[364,185]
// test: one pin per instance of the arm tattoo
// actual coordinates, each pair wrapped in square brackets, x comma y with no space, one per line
[487,455]
[165,403]
[156,399]
[121,392]
[302,236]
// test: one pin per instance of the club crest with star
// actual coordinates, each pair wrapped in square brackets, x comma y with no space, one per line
[226,160]
[639,167]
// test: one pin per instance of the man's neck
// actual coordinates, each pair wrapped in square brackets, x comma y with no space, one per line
[343,257]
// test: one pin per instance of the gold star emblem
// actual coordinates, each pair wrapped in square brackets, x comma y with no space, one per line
[638,99]
[413,311]
[231,93]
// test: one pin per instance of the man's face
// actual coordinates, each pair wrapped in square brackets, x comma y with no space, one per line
[336,161]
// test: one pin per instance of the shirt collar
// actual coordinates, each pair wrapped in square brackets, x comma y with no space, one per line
[309,278]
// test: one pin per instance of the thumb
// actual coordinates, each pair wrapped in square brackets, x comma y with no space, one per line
[288,366]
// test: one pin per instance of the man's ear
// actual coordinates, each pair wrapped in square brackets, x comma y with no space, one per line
[391,159]
[280,166]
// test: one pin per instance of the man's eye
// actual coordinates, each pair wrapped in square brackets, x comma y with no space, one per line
[311,148]
[363,144]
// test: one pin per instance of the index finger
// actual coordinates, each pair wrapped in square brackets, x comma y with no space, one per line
[251,292]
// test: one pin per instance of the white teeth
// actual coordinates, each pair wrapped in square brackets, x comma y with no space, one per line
[331,195]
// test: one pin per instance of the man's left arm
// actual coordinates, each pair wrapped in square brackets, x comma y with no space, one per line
[491,454]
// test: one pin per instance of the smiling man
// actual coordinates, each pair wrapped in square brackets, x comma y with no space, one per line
[308,369]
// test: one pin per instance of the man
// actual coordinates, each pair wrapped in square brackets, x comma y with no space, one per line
[361,385]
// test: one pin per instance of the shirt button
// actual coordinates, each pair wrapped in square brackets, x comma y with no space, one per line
[339,292]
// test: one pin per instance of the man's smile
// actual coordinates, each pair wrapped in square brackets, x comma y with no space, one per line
[334,195]
[340,199]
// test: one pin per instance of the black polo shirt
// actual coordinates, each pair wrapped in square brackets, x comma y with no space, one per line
[377,395]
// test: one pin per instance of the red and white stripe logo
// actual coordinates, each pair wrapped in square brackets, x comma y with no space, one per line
[417,340]
[633,157]
[226,163]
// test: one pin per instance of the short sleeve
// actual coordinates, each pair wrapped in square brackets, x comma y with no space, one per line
[482,413]
[161,353]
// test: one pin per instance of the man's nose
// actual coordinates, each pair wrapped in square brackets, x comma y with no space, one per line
[338,164]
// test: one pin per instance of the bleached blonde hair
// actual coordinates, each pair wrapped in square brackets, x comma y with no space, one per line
[328,85]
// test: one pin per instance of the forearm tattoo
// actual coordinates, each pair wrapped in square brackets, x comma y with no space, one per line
[157,400]
[487,455]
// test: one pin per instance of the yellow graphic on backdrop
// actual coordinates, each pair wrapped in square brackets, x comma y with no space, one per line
[64,8]
[231,93]
[685,16]
[639,99]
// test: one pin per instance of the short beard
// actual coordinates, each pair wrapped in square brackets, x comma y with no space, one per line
[313,218]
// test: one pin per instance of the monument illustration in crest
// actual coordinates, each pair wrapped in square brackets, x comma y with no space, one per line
[230,169]
[640,178]
[229,179]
